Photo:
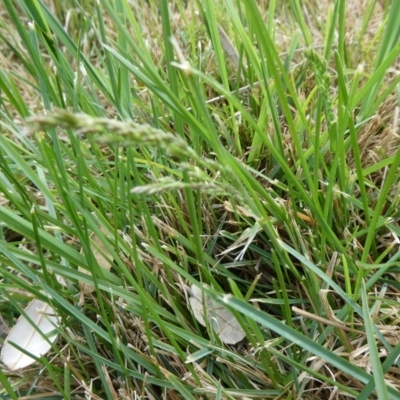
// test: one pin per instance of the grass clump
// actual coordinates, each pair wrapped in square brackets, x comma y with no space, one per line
[153,146]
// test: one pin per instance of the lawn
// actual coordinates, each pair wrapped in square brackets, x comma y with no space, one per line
[199,199]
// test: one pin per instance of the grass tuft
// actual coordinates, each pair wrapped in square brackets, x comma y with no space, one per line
[248,150]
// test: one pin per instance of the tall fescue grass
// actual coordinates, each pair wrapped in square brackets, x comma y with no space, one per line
[248,148]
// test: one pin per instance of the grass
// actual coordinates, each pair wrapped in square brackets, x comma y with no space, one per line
[248,148]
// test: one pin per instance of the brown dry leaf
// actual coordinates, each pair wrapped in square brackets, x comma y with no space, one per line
[103,257]
[229,47]
[220,319]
